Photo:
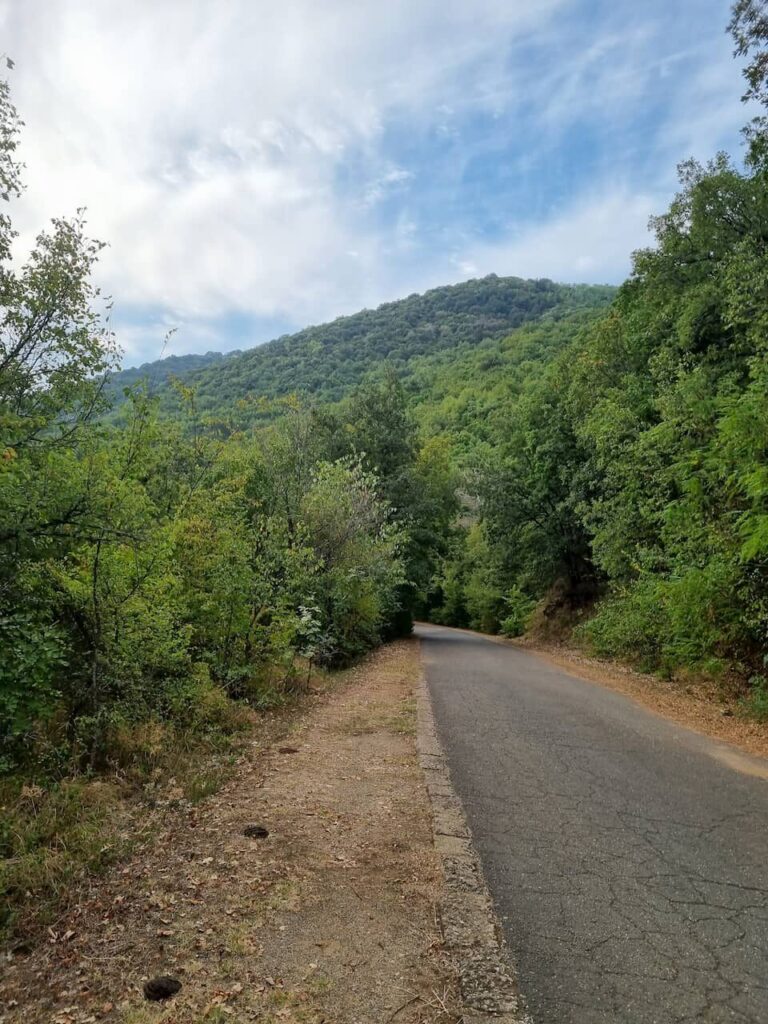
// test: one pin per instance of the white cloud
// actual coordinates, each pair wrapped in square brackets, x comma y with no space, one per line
[387,182]
[205,139]
[591,241]
[704,110]
[236,155]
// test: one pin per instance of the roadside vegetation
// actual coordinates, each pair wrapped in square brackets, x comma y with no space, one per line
[162,579]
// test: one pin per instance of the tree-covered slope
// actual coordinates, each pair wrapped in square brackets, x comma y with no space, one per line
[466,393]
[160,371]
[326,362]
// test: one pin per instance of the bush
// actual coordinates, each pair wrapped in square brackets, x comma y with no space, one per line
[484,601]
[631,623]
[33,652]
[690,621]
[519,610]
[755,704]
[197,705]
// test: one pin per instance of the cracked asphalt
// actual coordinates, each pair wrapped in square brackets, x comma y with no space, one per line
[627,857]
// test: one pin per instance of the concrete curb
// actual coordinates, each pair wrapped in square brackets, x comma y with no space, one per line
[471,933]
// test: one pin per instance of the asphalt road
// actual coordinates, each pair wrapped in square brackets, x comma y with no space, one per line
[627,856]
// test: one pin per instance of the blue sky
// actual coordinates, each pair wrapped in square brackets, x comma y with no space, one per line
[256,167]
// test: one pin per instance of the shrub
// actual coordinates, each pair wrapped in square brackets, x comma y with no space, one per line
[484,601]
[631,623]
[688,621]
[755,704]
[32,654]
[197,705]
[519,610]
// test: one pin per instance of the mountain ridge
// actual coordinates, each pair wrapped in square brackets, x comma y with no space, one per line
[326,361]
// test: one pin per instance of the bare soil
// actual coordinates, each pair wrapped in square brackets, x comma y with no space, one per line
[329,918]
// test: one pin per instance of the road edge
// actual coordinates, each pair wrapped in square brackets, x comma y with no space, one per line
[471,932]
[672,703]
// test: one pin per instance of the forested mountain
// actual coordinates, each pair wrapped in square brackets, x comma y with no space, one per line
[159,372]
[326,362]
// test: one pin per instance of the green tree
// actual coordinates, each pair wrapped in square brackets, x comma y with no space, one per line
[749,28]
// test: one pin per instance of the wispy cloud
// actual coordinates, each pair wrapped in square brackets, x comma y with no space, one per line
[589,241]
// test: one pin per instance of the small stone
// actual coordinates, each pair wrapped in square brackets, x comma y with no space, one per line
[287,750]
[161,988]
[255,832]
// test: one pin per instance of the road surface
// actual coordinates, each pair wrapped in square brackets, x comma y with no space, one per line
[627,856]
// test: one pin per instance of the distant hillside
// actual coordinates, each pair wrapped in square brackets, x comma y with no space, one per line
[327,361]
[466,393]
[160,371]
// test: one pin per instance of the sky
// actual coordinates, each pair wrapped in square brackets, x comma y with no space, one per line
[258,166]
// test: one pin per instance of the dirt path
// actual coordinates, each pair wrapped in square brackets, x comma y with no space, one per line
[329,919]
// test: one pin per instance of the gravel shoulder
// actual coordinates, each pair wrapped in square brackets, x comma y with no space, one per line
[329,918]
